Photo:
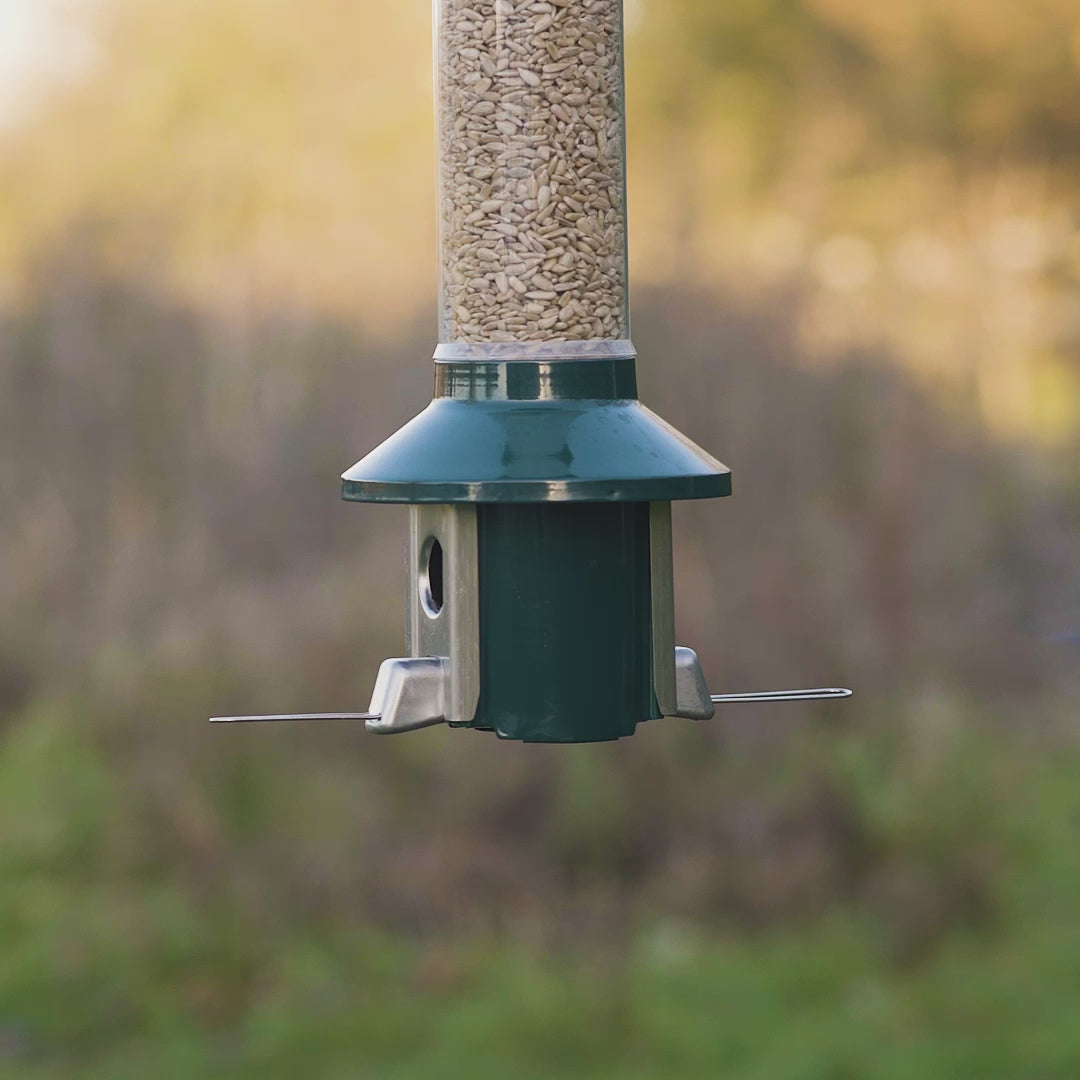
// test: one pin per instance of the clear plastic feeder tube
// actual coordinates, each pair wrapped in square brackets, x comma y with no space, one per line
[532,159]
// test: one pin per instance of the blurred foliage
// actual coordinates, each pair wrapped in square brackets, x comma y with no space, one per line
[909,167]
[116,967]
[856,251]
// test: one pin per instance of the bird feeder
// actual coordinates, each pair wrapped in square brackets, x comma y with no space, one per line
[540,600]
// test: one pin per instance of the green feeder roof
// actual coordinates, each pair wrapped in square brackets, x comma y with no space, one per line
[533,431]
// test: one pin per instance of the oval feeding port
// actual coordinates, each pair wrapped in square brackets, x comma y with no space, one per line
[431,578]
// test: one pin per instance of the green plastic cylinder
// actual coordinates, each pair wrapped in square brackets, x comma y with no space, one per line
[565,621]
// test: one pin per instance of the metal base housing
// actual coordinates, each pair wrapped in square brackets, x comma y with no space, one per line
[539,548]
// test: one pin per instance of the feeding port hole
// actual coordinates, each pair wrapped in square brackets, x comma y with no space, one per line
[431,578]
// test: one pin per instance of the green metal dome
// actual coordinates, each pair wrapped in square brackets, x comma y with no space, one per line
[536,431]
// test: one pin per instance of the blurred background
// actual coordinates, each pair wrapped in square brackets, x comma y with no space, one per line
[855,245]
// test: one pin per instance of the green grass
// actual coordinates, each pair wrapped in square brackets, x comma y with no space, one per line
[112,967]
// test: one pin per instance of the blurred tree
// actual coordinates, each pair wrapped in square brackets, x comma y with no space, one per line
[911,166]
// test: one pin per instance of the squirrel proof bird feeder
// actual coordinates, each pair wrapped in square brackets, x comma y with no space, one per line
[540,599]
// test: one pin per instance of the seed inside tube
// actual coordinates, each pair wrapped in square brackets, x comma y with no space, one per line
[532,171]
